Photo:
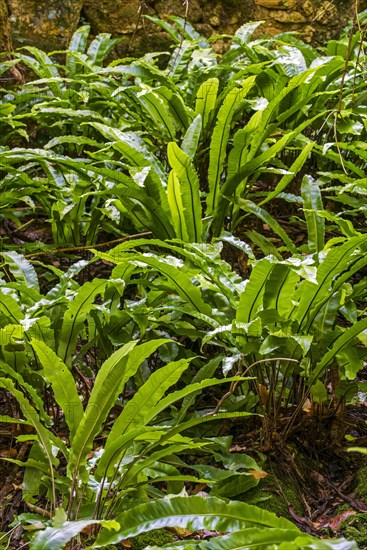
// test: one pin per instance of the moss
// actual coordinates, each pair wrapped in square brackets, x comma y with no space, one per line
[158,538]
[268,495]
[361,488]
[355,528]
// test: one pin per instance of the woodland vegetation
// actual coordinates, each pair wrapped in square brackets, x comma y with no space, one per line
[183,287]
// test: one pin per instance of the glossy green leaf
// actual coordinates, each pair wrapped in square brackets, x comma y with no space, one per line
[100,47]
[63,385]
[44,436]
[193,513]
[191,138]
[140,410]
[21,269]
[312,202]
[189,191]
[179,281]
[111,378]
[251,298]
[219,140]
[294,169]
[263,215]
[10,308]
[206,99]
[343,341]
[265,539]
[176,206]
[55,538]
[75,317]
[337,262]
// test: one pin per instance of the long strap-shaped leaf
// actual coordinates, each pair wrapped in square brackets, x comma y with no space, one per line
[193,513]
[32,416]
[134,468]
[231,183]
[268,115]
[337,261]
[175,276]
[21,268]
[55,538]
[213,268]
[206,99]
[189,190]
[109,383]
[182,115]
[181,282]
[131,146]
[252,296]
[44,67]
[242,141]
[191,138]
[150,214]
[260,539]
[100,46]
[279,289]
[140,410]
[77,43]
[251,207]
[312,202]
[219,141]
[343,341]
[75,317]
[114,446]
[10,308]
[293,169]
[176,207]
[63,384]
[158,112]
[32,392]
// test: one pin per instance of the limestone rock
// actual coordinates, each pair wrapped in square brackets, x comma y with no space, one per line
[308,8]
[47,24]
[288,17]
[5,33]
[277,4]
[107,16]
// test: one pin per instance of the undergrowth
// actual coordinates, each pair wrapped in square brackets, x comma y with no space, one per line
[153,309]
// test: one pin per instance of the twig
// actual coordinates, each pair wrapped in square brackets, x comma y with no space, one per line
[323,10]
[141,7]
[270,359]
[89,246]
[186,5]
[38,510]
[239,373]
[345,70]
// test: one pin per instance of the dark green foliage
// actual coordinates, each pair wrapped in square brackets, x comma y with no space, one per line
[111,360]
[267,108]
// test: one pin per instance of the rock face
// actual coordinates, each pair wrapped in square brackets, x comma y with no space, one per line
[5,41]
[49,24]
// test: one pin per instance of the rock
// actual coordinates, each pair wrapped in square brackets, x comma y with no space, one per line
[288,17]
[308,8]
[277,4]
[326,14]
[5,32]
[104,16]
[214,21]
[47,24]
